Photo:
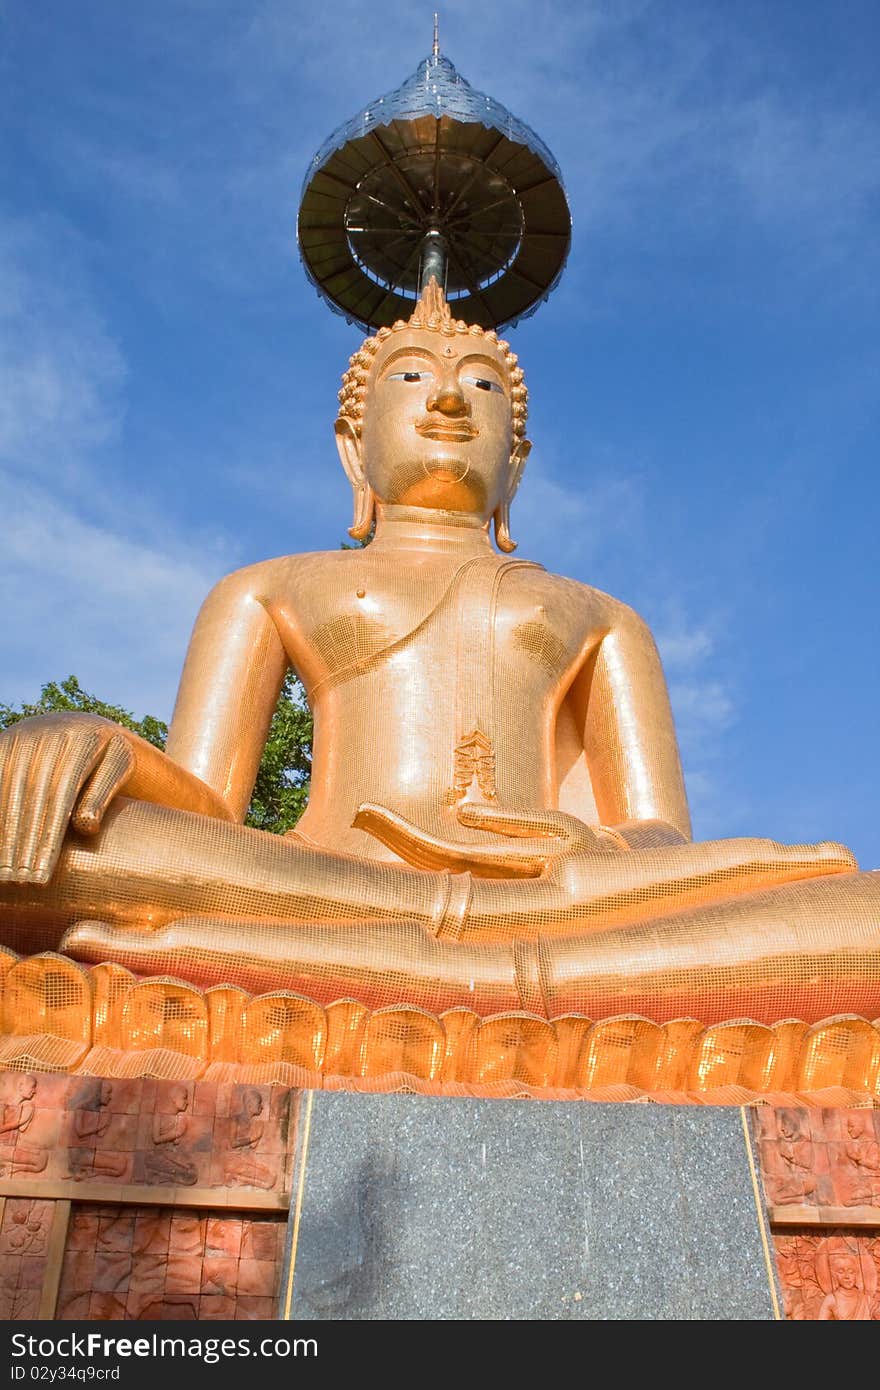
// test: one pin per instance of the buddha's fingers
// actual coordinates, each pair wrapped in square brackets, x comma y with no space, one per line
[201,951]
[108,778]
[41,782]
[425,851]
[568,832]
[826,857]
[26,786]
[703,870]
[51,782]
[13,785]
[75,765]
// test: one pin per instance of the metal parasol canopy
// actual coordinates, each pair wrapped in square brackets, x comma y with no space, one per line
[434,178]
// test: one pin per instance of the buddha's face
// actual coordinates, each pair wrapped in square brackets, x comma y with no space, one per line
[847,1277]
[437,426]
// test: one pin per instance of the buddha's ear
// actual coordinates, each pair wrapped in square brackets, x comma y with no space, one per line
[349,445]
[520,453]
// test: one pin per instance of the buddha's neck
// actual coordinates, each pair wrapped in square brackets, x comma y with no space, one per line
[421,528]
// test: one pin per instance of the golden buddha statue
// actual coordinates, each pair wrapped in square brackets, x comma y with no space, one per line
[497,818]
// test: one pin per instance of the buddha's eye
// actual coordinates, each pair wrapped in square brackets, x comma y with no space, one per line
[408,376]
[482,384]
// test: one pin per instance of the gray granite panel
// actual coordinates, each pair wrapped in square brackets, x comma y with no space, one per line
[415,1207]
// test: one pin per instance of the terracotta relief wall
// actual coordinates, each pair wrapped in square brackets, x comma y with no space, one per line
[829,1275]
[162,1263]
[24,1248]
[821,1171]
[142,1199]
[191,1135]
[146,1199]
[826,1162]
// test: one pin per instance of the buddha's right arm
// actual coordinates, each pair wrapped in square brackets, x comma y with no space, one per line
[233,673]
[65,769]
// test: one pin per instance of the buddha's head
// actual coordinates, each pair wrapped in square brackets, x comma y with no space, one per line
[179,1097]
[432,414]
[253,1104]
[789,1128]
[844,1271]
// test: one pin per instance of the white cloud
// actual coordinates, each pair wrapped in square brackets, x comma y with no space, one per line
[85,599]
[576,532]
[704,707]
[818,166]
[683,649]
[568,528]
[88,586]
[142,177]
[63,373]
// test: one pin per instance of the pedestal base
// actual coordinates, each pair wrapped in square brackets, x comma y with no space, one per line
[157,1199]
[413,1207]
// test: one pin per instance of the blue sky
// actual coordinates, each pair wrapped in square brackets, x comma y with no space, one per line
[703,384]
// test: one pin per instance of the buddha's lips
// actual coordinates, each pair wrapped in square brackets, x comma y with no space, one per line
[447,433]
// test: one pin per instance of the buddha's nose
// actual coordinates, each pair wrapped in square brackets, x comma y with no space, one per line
[448,397]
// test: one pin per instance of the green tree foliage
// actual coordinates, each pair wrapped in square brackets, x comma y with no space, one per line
[282,787]
[56,696]
[281,792]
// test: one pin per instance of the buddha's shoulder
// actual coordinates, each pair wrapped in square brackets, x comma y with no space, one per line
[278,577]
[604,608]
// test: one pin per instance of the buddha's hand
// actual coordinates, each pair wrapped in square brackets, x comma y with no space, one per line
[705,871]
[535,840]
[55,770]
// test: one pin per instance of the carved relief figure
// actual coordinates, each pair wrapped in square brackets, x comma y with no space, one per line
[857,1180]
[247,1131]
[794,1179]
[90,1125]
[166,1163]
[17,1118]
[847,1275]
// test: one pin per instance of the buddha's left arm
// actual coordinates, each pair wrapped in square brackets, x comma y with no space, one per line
[621,703]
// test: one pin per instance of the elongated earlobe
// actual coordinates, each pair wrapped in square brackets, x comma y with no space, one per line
[501,519]
[349,445]
[364,511]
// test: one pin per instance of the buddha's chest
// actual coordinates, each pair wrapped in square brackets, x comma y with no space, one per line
[463,626]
